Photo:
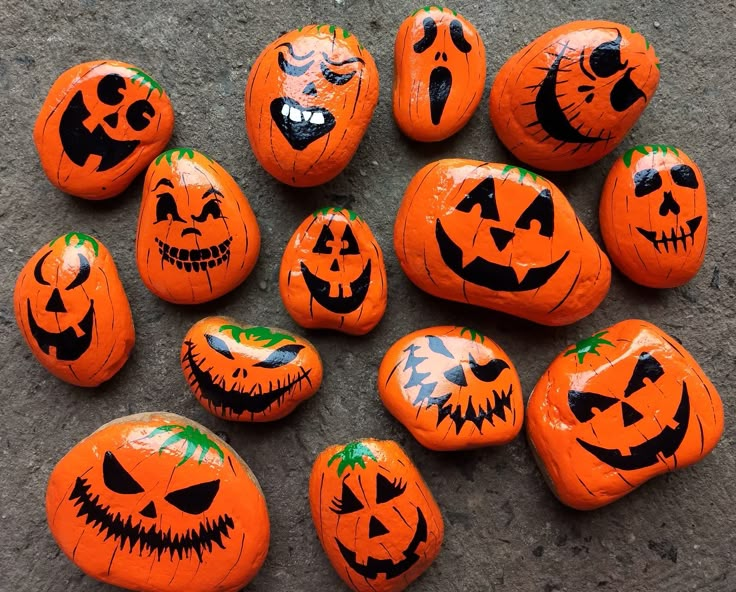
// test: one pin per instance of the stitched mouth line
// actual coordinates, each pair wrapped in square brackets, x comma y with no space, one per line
[676,235]
[195,259]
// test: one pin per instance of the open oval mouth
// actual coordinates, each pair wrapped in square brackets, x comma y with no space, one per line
[301,125]
[319,289]
[67,345]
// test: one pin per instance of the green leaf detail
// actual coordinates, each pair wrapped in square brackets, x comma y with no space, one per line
[192,436]
[522,172]
[336,210]
[353,454]
[428,8]
[645,149]
[81,239]
[179,152]
[257,334]
[589,345]
[145,80]
[473,334]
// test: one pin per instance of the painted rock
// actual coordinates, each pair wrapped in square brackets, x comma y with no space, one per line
[375,517]
[500,237]
[99,127]
[617,409]
[197,235]
[73,312]
[570,96]
[245,373]
[156,502]
[309,99]
[453,388]
[332,273]
[439,73]
[654,216]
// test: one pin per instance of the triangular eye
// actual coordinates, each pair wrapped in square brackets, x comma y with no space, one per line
[219,346]
[582,404]
[350,244]
[347,503]
[488,372]
[485,195]
[116,478]
[456,376]
[438,346]
[542,210]
[280,357]
[605,60]
[387,490]
[646,367]
[325,236]
[194,499]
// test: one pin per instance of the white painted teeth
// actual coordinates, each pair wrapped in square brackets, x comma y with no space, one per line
[296,115]
[307,115]
[285,110]
[318,118]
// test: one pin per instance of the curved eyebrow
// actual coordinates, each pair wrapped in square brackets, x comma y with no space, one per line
[212,191]
[291,51]
[163,182]
[348,61]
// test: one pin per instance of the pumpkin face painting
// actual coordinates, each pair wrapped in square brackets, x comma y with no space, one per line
[248,373]
[570,96]
[500,237]
[309,99]
[439,73]
[654,216]
[375,517]
[332,273]
[618,408]
[197,235]
[99,127]
[157,503]
[72,310]
[452,388]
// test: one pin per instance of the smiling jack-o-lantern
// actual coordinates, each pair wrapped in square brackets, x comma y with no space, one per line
[157,503]
[452,388]
[439,73]
[332,273]
[570,96]
[375,517]
[501,237]
[309,100]
[248,373]
[197,235]
[73,312]
[100,125]
[617,409]
[654,216]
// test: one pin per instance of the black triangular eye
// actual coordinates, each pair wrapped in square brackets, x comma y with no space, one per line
[542,210]
[582,404]
[166,208]
[219,346]
[605,60]
[38,270]
[646,367]
[684,176]
[456,376]
[280,357]
[82,274]
[485,195]
[458,39]
[625,93]
[488,372]
[347,503]
[438,346]
[351,245]
[387,490]
[116,478]
[325,236]
[646,181]
[430,34]
[196,498]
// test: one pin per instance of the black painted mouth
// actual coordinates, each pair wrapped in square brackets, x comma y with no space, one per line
[440,84]
[195,259]
[301,125]
[475,414]
[68,347]
[375,567]
[676,235]
[487,274]
[320,291]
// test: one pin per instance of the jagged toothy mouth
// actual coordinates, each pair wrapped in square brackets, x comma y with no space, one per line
[676,235]
[301,125]
[68,347]
[195,259]
[475,414]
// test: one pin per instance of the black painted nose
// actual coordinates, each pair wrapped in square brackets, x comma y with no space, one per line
[334,266]
[669,205]
[149,511]
[376,528]
[55,303]
[191,230]
[310,89]
[501,237]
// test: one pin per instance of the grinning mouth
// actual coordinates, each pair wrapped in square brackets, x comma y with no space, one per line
[301,125]
[675,236]
[319,289]
[440,83]
[195,259]
[475,414]
[67,346]
[142,539]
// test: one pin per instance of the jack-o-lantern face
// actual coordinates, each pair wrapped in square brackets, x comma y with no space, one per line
[654,216]
[73,312]
[100,125]
[439,73]
[197,235]
[501,237]
[309,100]
[617,409]
[332,273]
[375,517]
[569,97]
[453,388]
[248,373]
[156,502]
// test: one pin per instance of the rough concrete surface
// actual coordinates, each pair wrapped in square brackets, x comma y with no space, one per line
[505,531]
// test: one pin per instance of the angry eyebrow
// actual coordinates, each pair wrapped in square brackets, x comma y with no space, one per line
[291,51]
[163,182]
[348,61]
[212,191]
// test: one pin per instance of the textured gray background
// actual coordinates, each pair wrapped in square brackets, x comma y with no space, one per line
[504,530]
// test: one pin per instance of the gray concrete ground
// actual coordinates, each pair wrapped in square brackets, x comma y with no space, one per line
[504,530]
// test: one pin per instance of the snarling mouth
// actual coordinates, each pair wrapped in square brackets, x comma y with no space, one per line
[487,274]
[375,567]
[141,539]
[475,414]
[301,125]
[68,347]
[676,235]
[320,290]
[440,83]
[195,259]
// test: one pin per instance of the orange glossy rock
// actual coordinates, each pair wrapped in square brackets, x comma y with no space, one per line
[617,409]
[569,97]
[101,124]
[375,517]
[197,235]
[500,237]
[157,503]
[72,310]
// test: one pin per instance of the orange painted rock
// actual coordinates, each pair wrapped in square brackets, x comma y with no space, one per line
[570,96]
[452,388]
[245,373]
[439,73]
[197,235]
[618,408]
[500,237]
[99,127]
[73,312]
[654,216]
[332,273]
[309,99]
[375,517]
[157,503]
